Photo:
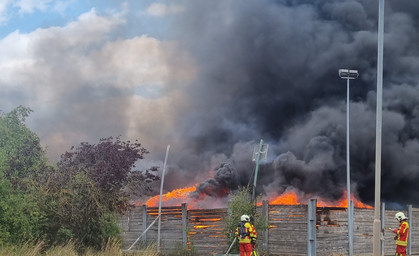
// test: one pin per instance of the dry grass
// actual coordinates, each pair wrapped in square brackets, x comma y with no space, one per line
[112,248]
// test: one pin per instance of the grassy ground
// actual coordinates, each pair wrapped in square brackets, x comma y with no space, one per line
[111,249]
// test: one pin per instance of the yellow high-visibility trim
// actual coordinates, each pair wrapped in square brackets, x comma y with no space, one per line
[402,243]
[406,227]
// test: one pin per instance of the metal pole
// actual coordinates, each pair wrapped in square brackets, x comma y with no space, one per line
[161,192]
[376,225]
[351,229]
[231,246]
[348,177]
[145,231]
[256,170]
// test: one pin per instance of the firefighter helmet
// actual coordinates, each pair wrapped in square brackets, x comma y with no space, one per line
[245,218]
[400,216]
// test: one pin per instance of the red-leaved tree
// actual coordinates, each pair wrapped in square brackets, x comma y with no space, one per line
[89,187]
[110,165]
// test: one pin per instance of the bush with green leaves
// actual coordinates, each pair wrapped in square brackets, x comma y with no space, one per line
[21,163]
[241,203]
[87,191]
[77,200]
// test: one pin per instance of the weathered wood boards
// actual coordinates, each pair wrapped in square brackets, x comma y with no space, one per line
[204,230]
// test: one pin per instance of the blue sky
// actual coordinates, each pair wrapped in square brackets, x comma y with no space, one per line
[27,16]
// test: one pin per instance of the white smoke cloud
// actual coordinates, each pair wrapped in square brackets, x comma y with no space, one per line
[84,85]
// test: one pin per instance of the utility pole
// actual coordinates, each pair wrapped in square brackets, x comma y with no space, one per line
[259,153]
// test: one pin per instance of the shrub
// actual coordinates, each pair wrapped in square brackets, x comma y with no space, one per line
[240,204]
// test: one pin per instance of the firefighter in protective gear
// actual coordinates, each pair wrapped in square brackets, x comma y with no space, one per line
[245,242]
[402,234]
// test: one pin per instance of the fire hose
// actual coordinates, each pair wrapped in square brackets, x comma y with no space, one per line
[389,229]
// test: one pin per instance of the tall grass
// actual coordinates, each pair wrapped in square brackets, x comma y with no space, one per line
[112,248]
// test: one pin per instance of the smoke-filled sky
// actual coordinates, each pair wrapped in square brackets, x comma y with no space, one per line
[212,78]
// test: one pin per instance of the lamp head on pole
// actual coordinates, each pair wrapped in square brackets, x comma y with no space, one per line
[348,73]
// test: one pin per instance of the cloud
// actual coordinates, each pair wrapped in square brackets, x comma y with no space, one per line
[29,6]
[158,9]
[80,81]
[4,15]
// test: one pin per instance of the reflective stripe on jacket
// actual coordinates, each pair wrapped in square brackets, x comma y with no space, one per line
[251,231]
[402,233]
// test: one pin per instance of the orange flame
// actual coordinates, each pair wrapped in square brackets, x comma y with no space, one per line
[288,198]
[180,193]
[291,198]
[343,202]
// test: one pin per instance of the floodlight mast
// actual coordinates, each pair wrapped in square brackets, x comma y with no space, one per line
[378,132]
[348,74]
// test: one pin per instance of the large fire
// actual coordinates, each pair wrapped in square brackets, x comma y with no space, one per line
[172,197]
[290,197]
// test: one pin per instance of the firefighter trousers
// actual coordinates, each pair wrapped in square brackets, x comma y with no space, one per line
[400,250]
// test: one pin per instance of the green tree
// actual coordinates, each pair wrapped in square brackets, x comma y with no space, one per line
[21,159]
[78,199]
[21,154]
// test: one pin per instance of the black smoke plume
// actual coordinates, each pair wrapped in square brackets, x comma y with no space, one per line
[268,69]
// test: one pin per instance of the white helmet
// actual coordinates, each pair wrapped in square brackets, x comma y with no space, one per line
[400,216]
[245,218]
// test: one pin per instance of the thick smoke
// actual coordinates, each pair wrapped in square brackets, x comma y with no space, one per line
[269,70]
[224,180]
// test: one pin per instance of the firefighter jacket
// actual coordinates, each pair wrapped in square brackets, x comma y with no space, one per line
[402,233]
[251,234]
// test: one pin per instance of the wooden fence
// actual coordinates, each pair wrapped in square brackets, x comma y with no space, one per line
[204,230]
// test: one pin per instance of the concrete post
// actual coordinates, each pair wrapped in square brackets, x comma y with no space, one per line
[383,224]
[144,239]
[410,221]
[184,224]
[265,215]
[311,227]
